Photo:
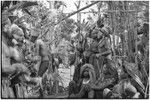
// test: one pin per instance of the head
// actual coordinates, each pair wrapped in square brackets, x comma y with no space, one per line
[33,38]
[100,23]
[86,73]
[106,31]
[25,28]
[17,33]
[33,35]
[94,33]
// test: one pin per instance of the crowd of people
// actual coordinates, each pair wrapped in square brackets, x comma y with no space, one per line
[25,59]
[96,74]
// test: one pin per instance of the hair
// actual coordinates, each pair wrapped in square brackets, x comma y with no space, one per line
[33,38]
[82,75]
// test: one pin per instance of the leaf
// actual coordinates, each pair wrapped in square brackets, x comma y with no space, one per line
[12,18]
[28,4]
[83,21]
[5,4]
[17,6]
[76,5]
[27,12]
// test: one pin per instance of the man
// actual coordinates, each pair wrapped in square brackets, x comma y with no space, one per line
[77,59]
[129,86]
[42,56]
[18,45]
[100,46]
[9,52]
[100,58]
[82,89]
[143,49]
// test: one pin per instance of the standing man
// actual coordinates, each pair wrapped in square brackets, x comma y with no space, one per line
[11,32]
[106,74]
[41,55]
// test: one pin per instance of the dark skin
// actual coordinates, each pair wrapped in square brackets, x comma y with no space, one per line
[41,48]
[7,49]
[104,41]
[85,91]
[10,52]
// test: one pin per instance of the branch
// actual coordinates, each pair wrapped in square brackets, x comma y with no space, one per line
[71,15]
[78,11]
[15,7]
[22,5]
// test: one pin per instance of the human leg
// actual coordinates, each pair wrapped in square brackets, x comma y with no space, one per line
[43,67]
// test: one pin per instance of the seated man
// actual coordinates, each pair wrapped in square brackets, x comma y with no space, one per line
[82,89]
[130,85]
[109,77]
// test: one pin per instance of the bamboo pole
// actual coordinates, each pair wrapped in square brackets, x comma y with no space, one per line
[127,27]
[109,11]
[135,37]
[78,14]
[114,28]
[112,7]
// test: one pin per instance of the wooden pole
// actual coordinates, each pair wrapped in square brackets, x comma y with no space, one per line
[135,36]
[114,26]
[111,7]
[78,14]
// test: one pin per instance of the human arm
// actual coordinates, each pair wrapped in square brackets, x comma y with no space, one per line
[102,42]
[106,46]
[104,53]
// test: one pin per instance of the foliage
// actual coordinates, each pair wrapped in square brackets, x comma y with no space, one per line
[67,27]
[44,22]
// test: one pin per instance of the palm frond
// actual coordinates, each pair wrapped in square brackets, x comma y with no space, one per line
[57,77]
[27,12]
